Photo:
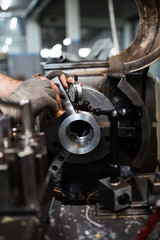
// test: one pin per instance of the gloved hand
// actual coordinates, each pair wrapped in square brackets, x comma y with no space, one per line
[38,92]
[57,73]
[64,77]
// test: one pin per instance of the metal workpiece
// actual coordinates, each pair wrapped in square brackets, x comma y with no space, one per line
[79,133]
[145,48]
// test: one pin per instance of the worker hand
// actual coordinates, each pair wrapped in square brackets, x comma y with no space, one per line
[63,77]
[38,91]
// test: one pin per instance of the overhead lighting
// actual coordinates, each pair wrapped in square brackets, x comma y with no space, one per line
[84,52]
[67,41]
[5,4]
[58,46]
[8,41]
[13,23]
[5,49]
[56,51]
[44,53]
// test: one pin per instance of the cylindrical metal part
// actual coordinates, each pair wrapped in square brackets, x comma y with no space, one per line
[79,133]
[26,118]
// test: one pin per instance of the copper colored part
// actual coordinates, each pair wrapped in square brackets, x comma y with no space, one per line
[58,114]
[36,75]
[145,48]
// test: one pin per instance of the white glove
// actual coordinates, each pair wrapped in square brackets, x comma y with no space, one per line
[38,92]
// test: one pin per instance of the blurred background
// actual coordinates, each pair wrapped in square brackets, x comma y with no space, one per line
[37,31]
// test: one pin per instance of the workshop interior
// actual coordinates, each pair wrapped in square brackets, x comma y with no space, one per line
[93,170]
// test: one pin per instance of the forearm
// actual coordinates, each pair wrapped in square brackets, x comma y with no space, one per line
[7,85]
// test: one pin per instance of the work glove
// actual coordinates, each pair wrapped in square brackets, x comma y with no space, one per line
[38,92]
[57,73]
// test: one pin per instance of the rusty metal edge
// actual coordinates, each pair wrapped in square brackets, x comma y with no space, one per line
[139,54]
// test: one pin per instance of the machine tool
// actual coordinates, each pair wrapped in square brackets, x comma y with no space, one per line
[91,171]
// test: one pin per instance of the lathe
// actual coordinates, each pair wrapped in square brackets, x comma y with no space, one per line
[92,171]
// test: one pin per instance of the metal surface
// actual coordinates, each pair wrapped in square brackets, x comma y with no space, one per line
[145,49]
[126,88]
[23,161]
[100,91]
[87,222]
[27,118]
[113,25]
[114,196]
[67,105]
[27,190]
[97,100]
[90,145]
[75,92]
[79,133]
[20,227]
[58,161]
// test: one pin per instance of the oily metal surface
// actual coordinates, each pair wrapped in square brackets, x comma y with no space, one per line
[145,48]
[82,222]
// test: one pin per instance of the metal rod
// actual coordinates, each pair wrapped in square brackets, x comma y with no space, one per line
[113,25]
[27,118]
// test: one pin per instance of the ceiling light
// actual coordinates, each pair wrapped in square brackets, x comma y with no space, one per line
[13,23]
[8,41]
[84,52]
[5,4]
[57,46]
[44,53]
[55,53]
[67,41]
[5,49]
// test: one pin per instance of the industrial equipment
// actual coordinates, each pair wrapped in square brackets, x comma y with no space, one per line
[92,171]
